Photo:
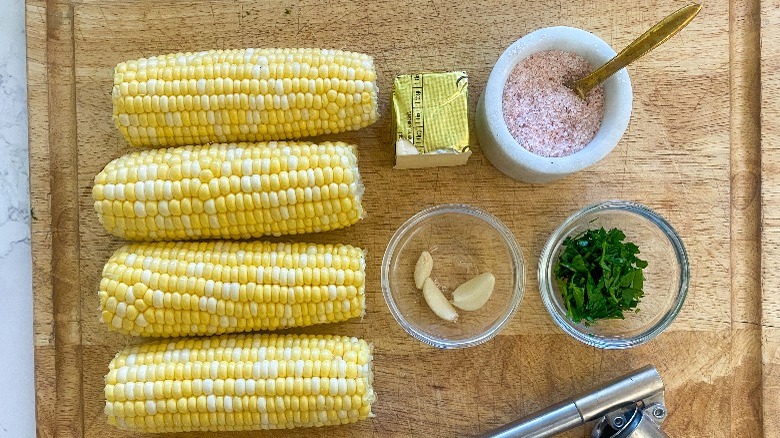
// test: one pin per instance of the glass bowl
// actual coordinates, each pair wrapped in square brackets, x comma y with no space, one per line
[666,275]
[464,241]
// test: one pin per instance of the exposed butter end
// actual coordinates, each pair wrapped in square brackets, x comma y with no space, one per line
[432,159]
[405,147]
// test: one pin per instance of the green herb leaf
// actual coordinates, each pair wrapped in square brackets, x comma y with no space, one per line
[578,264]
[599,275]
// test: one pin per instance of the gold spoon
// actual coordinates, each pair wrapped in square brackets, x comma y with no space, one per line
[649,40]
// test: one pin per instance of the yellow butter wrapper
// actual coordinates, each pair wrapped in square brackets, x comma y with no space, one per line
[430,116]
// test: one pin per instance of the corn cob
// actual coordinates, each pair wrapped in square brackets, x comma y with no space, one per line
[230,191]
[243,95]
[205,288]
[240,382]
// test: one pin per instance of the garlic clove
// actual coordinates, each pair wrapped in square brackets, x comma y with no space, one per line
[438,302]
[423,268]
[473,294]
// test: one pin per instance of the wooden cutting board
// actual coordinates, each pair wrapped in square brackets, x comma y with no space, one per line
[692,152]
[770,211]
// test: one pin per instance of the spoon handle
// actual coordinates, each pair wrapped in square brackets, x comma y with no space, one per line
[648,41]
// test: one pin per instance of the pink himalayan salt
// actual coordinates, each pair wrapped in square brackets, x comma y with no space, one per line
[542,114]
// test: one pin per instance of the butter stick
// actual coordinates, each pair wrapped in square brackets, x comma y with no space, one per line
[430,117]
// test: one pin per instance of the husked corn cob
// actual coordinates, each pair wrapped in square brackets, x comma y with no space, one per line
[205,288]
[240,382]
[230,191]
[243,95]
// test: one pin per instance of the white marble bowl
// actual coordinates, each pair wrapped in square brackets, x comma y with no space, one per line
[502,149]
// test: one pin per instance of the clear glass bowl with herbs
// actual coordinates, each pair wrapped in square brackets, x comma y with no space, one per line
[614,275]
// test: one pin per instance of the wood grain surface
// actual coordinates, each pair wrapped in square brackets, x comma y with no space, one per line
[692,153]
[770,206]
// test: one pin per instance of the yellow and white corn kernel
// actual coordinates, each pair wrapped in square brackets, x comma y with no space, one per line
[243,95]
[168,289]
[240,382]
[230,191]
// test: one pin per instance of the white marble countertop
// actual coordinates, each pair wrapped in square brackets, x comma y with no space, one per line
[17,401]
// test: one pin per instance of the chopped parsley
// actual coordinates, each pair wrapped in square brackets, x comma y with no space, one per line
[599,275]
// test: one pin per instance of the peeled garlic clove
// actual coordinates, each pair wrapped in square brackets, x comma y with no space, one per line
[473,294]
[438,302]
[423,268]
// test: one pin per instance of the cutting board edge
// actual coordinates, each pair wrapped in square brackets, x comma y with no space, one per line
[54,225]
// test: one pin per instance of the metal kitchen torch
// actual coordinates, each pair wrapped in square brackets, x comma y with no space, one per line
[631,406]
